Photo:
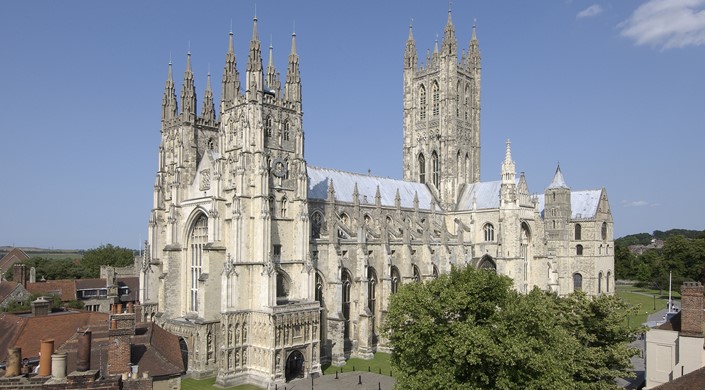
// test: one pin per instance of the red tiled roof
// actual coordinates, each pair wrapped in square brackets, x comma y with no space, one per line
[693,380]
[6,288]
[26,332]
[64,288]
[13,256]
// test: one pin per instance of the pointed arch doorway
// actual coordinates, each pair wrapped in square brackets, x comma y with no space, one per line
[294,366]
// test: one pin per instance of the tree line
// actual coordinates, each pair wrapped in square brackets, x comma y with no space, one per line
[683,254]
[86,267]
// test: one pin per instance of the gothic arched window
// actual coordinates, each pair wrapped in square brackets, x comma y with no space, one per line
[578,232]
[467,102]
[268,127]
[395,279]
[286,130]
[282,209]
[422,168]
[436,99]
[283,287]
[316,224]
[435,272]
[416,273]
[488,229]
[577,282]
[467,168]
[422,102]
[599,283]
[457,100]
[347,284]
[609,275]
[197,240]
[372,297]
[487,264]
[604,231]
[436,167]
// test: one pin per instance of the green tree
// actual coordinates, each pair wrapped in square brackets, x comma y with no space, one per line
[471,330]
[105,255]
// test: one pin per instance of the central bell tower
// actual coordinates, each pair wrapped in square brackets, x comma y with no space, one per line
[442,116]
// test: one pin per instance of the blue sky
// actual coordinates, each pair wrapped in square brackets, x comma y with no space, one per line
[613,90]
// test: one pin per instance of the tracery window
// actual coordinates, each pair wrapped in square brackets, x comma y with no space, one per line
[198,239]
[467,102]
[436,99]
[282,209]
[457,100]
[286,130]
[436,166]
[422,102]
[316,224]
[395,279]
[487,264]
[268,127]
[372,296]
[422,168]
[489,232]
[347,284]
[416,273]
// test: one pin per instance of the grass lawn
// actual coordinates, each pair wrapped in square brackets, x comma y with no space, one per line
[193,384]
[379,362]
[645,299]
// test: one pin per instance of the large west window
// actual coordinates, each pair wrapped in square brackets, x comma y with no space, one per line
[198,239]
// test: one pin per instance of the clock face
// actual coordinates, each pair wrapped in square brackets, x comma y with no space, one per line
[279,168]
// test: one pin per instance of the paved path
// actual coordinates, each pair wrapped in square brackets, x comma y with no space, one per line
[346,380]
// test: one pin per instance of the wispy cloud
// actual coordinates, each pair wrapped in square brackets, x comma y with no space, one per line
[667,24]
[590,11]
[638,203]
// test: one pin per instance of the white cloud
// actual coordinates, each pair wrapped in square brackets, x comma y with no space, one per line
[637,203]
[590,11]
[667,24]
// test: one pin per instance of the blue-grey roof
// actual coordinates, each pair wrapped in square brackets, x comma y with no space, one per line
[583,204]
[484,194]
[344,185]
[558,180]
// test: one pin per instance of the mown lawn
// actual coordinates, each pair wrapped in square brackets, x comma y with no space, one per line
[648,301]
[380,362]
[193,384]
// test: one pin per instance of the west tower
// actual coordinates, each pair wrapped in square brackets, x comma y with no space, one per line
[442,116]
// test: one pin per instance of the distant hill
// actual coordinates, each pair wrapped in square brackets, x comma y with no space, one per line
[46,253]
[645,238]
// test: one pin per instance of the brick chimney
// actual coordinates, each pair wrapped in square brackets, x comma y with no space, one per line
[122,328]
[40,307]
[19,274]
[692,294]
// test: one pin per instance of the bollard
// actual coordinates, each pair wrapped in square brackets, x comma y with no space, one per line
[353,368]
[336,374]
[380,371]
[311,382]
[368,369]
[359,379]
[379,385]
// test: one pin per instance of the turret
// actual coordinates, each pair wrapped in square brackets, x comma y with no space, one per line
[272,76]
[293,77]
[253,77]
[508,177]
[208,111]
[474,51]
[188,93]
[231,78]
[450,44]
[410,57]
[169,104]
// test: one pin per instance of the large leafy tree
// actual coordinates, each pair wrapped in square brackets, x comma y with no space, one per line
[105,255]
[470,330]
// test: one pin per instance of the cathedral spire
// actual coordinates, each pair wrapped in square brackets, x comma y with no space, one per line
[169,105]
[231,78]
[449,44]
[208,111]
[254,65]
[508,167]
[410,57]
[474,51]
[558,179]
[292,90]
[272,76]
[435,50]
[188,93]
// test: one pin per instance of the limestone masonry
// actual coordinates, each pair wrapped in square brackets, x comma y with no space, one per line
[267,267]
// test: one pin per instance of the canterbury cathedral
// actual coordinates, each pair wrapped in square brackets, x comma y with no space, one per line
[268,268]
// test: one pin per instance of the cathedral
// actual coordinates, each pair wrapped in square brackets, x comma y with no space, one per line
[267,268]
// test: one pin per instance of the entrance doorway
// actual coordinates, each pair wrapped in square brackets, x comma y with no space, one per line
[294,366]
[184,352]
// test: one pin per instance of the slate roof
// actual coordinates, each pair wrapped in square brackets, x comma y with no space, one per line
[484,194]
[558,180]
[344,184]
[6,288]
[583,204]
